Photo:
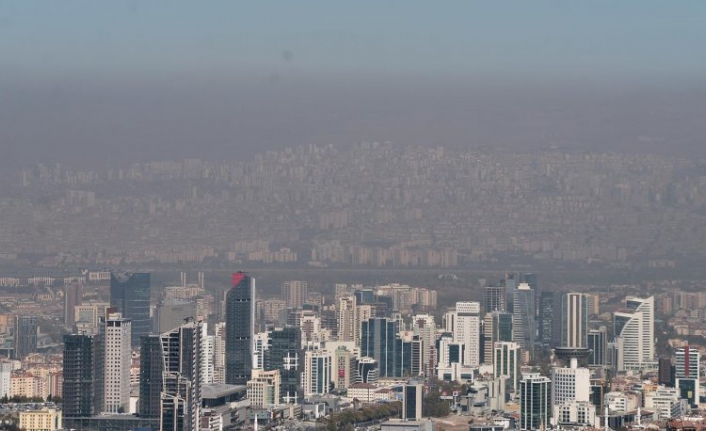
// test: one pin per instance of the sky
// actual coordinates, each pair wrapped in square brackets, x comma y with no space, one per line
[147,79]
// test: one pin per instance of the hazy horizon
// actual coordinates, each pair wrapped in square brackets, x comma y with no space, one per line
[86,82]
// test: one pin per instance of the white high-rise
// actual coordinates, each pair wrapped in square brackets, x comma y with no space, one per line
[118,358]
[219,353]
[317,372]
[635,327]
[466,330]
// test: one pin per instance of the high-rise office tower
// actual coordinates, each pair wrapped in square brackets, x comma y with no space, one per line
[181,390]
[535,402]
[82,386]
[687,362]
[130,294]
[646,306]
[118,359]
[635,328]
[378,342]
[151,368]
[506,362]
[598,344]
[25,336]
[574,320]
[295,292]
[494,298]
[412,401]
[284,354]
[497,327]
[73,296]
[549,324]
[467,331]
[240,329]
[523,327]
[317,372]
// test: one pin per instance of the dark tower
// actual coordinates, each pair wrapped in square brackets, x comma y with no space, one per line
[25,336]
[151,367]
[130,294]
[83,381]
[240,321]
[73,295]
[284,353]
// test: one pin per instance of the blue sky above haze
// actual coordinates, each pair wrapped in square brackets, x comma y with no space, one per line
[559,39]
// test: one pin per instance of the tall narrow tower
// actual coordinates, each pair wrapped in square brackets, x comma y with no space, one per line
[118,358]
[240,329]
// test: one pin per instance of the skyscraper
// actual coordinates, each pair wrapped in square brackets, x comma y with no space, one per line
[25,336]
[151,368]
[688,363]
[130,294]
[73,296]
[598,343]
[181,390]
[317,372]
[240,329]
[378,342]
[83,385]
[284,354]
[295,292]
[574,320]
[494,298]
[467,331]
[635,328]
[523,318]
[118,359]
[535,402]
[549,324]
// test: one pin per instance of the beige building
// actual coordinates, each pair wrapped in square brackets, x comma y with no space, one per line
[45,419]
[263,388]
[27,385]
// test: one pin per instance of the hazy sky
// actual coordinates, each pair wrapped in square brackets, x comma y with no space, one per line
[155,76]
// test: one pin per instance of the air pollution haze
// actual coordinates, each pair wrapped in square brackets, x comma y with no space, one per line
[111,84]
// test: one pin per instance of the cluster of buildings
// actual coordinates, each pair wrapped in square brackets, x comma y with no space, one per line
[518,358]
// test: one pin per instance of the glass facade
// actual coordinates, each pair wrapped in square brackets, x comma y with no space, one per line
[25,336]
[150,376]
[284,354]
[130,294]
[240,320]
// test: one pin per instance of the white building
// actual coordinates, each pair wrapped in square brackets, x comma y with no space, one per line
[688,363]
[572,413]
[636,328]
[570,384]
[664,402]
[316,379]
[219,353]
[466,330]
[118,358]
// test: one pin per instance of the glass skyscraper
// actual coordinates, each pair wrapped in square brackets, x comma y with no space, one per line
[130,294]
[25,336]
[240,329]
